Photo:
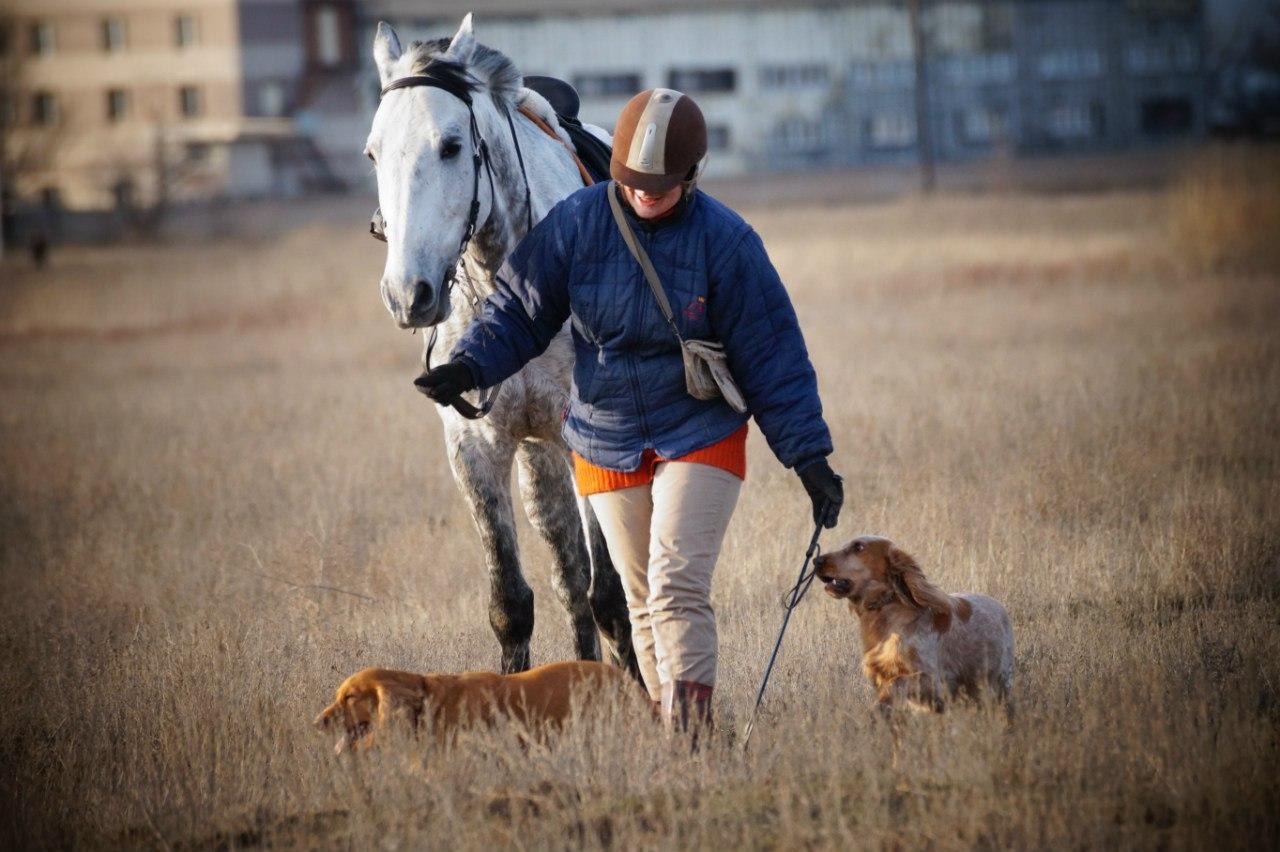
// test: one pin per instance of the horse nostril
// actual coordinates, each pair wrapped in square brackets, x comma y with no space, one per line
[422,294]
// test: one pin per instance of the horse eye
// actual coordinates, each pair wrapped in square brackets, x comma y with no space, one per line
[372,158]
[450,149]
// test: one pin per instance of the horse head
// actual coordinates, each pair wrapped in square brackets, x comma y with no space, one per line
[435,180]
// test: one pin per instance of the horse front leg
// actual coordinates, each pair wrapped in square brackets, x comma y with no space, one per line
[482,470]
[608,599]
[546,488]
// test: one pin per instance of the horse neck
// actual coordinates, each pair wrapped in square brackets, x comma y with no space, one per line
[548,180]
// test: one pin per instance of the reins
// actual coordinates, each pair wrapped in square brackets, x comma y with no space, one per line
[790,600]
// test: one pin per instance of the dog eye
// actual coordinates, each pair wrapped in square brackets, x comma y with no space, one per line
[858,547]
[372,158]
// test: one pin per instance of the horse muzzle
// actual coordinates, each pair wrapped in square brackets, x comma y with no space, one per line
[416,305]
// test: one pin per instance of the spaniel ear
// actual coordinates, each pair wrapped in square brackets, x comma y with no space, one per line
[400,701]
[910,585]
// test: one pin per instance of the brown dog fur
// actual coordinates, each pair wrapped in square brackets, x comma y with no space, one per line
[373,699]
[920,644]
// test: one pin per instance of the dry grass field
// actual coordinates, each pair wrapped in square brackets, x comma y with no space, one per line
[219,495]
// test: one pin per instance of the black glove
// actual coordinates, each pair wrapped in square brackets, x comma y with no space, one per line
[447,382]
[825,490]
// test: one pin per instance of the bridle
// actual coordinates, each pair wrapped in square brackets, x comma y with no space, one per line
[479,159]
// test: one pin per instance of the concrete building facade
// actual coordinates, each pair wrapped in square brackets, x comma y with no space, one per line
[123,103]
[795,84]
[131,100]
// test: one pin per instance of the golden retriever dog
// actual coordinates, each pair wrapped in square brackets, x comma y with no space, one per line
[537,699]
[921,646]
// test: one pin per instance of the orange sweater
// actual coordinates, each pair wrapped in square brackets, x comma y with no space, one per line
[727,454]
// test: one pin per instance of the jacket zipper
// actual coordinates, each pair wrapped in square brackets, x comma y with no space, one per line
[633,368]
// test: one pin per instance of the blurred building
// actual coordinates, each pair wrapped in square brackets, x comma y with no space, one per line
[786,84]
[133,103]
[137,103]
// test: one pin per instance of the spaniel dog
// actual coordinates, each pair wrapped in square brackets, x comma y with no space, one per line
[921,646]
[538,699]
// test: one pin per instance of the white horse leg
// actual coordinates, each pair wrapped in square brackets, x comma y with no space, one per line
[482,470]
[547,492]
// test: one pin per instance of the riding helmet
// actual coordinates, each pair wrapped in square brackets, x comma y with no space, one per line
[659,142]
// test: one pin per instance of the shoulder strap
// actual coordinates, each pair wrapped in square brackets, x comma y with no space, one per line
[642,257]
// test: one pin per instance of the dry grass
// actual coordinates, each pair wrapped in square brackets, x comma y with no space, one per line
[1025,392]
[1225,209]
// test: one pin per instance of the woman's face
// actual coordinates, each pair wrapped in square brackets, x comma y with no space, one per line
[649,205]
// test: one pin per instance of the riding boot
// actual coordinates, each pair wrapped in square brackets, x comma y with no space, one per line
[686,708]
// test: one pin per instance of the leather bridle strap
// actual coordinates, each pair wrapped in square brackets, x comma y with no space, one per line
[480,158]
[458,90]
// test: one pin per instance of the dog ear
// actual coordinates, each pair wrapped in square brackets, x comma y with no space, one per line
[909,583]
[400,701]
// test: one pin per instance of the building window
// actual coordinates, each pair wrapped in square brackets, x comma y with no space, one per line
[717,137]
[113,34]
[977,68]
[801,135]
[189,101]
[1166,116]
[271,98]
[689,80]
[891,130]
[8,115]
[6,37]
[980,125]
[604,85]
[44,40]
[1068,122]
[1068,64]
[793,76]
[44,109]
[1162,57]
[184,31]
[328,37]
[117,104]
[884,75]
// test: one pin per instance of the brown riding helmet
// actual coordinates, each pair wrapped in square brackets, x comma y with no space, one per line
[659,141]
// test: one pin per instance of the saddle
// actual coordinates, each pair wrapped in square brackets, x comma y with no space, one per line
[592,152]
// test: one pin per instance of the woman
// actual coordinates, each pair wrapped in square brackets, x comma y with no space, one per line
[661,469]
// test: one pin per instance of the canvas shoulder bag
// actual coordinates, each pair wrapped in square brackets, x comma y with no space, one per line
[706,369]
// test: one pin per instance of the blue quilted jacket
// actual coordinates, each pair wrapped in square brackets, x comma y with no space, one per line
[628,379]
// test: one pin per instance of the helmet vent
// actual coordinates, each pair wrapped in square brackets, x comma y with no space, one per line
[647,143]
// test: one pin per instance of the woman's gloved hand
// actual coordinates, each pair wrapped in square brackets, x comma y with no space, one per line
[826,490]
[447,382]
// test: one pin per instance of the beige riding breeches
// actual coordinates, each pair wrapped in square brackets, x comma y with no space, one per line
[664,538]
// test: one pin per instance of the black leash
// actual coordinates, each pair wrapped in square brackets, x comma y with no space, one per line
[790,601]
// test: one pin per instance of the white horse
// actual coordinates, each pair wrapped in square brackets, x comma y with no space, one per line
[425,144]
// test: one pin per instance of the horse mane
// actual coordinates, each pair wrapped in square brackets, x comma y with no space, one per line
[490,68]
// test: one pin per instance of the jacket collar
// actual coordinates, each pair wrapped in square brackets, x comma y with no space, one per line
[677,215]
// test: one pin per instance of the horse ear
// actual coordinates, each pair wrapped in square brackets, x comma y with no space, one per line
[464,43]
[386,50]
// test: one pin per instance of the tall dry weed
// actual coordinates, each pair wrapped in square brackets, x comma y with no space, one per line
[220,495]
[1224,210]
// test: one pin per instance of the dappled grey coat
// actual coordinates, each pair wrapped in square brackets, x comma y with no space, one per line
[628,379]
